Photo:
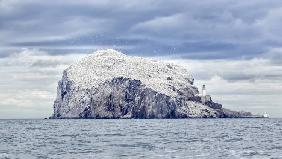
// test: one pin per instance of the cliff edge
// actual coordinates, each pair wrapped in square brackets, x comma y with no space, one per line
[109,84]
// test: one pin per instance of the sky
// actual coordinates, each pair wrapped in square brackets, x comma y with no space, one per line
[232,46]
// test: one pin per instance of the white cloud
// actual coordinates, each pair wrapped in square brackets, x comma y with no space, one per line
[29,81]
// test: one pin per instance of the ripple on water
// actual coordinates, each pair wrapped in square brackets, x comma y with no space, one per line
[197,138]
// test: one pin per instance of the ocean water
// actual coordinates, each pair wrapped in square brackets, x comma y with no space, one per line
[178,138]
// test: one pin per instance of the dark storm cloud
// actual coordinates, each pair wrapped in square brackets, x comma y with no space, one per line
[202,30]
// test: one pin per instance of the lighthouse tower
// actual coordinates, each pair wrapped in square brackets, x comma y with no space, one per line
[204,92]
[204,97]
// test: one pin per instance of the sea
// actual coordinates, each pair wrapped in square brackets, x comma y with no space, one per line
[141,138]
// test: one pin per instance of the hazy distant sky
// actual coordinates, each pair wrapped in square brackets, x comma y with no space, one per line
[232,46]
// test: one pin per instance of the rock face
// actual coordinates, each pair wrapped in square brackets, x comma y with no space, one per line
[109,84]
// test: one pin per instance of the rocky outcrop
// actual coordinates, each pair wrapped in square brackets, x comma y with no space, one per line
[109,84]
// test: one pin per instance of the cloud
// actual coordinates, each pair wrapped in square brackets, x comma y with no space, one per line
[232,46]
[224,29]
[235,70]
[270,25]
[29,80]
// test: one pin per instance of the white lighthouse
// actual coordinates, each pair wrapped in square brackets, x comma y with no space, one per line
[204,97]
[204,92]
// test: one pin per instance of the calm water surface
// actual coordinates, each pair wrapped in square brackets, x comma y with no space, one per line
[183,138]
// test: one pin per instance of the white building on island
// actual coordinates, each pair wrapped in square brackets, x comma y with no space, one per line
[204,97]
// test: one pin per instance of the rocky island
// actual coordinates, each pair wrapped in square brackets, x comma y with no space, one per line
[109,85]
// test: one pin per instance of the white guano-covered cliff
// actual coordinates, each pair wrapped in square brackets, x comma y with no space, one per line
[106,64]
[110,84]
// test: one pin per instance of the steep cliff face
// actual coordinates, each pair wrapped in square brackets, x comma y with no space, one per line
[109,84]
